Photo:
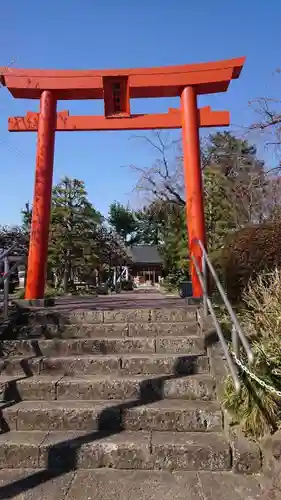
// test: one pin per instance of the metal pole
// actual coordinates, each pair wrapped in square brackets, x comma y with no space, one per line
[232,314]
[228,358]
[235,341]
[205,290]
[6,287]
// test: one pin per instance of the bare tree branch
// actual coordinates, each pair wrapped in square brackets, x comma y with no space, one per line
[164,179]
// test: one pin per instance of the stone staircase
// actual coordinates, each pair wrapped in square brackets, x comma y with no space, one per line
[126,389]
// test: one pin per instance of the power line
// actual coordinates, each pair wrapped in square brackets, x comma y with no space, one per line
[11,149]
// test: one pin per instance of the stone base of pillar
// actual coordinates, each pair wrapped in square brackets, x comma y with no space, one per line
[194,301]
[26,303]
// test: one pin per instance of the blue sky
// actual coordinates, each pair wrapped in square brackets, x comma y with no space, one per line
[88,34]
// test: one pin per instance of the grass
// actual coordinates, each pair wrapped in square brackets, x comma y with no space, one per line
[256,409]
[49,292]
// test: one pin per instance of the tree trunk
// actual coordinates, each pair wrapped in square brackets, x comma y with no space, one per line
[67,271]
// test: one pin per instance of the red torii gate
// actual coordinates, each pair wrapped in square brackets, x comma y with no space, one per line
[116,87]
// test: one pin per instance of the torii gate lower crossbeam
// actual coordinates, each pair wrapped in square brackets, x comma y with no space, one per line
[116,87]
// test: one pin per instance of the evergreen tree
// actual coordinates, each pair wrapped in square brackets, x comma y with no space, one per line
[236,160]
[26,218]
[74,221]
[13,237]
[123,221]
[150,226]
[175,247]
[219,213]
[165,225]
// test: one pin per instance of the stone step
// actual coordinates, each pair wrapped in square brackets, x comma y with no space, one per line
[190,451]
[114,484]
[165,415]
[130,364]
[81,330]
[161,364]
[129,315]
[21,365]
[123,450]
[146,388]
[147,345]
[174,415]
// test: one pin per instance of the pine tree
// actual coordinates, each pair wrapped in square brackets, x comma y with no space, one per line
[236,160]
[26,218]
[219,213]
[150,226]
[123,221]
[175,247]
[72,248]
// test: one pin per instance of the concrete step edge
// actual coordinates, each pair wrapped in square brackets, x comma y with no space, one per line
[128,449]
[174,404]
[88,378]
[77,340]
[156,356]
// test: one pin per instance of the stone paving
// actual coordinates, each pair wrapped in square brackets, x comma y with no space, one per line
[107,484]
[126,300]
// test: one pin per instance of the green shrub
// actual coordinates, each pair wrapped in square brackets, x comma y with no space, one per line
[102,289]
[49,292]
[256,409]
[19,294]
[247,253]
[174,278]
[52,292]
[127,285]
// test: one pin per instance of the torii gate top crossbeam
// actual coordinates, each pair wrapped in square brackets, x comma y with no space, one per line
[147,82]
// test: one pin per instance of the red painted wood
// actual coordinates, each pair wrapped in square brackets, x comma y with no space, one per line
[116,96]
[144,82]
[193,182]
[38,247]
[235,63]
[170,120]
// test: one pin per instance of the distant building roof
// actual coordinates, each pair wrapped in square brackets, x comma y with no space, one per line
[145,254]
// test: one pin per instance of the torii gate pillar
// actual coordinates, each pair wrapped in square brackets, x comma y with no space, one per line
[41,208]
[193,181]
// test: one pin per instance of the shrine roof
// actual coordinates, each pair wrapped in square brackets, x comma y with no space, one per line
[145,254]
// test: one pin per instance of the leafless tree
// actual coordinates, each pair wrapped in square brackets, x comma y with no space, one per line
[248,181]
[163,181]
[268,124]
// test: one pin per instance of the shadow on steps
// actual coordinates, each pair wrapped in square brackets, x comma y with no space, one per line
[63,456]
